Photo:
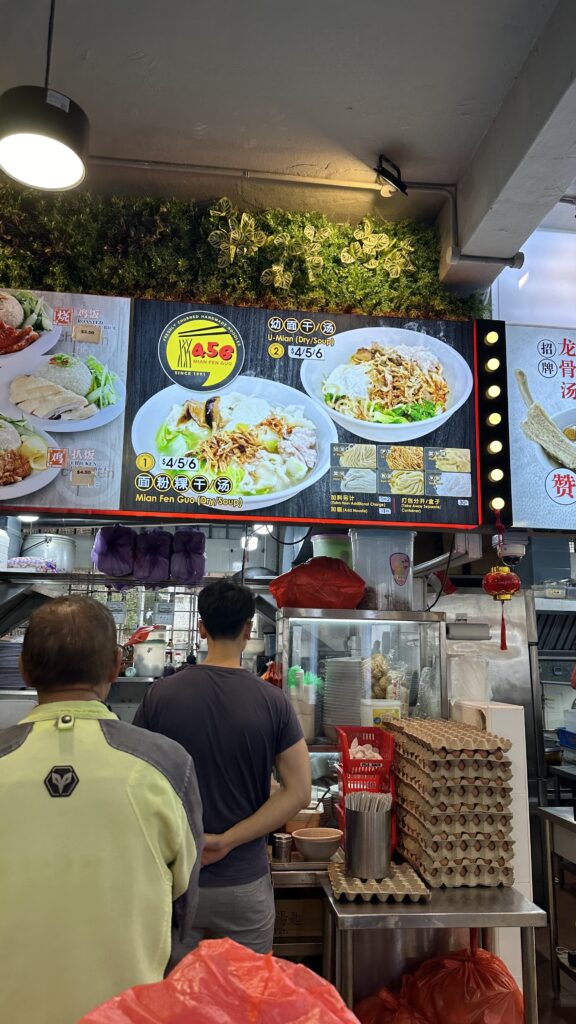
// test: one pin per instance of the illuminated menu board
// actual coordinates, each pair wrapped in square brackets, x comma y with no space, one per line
[542,424]
[168,408]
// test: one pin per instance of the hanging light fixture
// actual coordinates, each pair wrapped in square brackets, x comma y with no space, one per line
[43,133]
[389,177]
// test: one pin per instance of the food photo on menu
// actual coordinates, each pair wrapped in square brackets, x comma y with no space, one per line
[62,383]
[344,422]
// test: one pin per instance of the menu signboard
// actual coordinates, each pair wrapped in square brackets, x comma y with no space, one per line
[542,421]
[239,412]
[63,365]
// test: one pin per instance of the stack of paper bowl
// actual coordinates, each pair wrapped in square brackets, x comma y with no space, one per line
[343,691]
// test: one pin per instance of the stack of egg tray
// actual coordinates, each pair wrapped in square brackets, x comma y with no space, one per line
[453,803]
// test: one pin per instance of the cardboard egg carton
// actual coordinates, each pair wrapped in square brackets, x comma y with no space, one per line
[402,884]
[498,770]
[453,821]
[438,874]
[433,784]
[445,738]
[455,849]
[464,797]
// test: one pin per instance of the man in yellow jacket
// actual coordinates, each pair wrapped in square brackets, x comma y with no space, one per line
[101,825]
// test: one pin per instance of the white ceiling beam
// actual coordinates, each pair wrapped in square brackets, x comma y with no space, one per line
[527,158]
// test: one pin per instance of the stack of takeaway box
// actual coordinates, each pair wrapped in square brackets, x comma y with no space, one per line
[453,798]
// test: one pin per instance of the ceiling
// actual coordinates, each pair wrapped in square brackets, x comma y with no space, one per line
[316,90]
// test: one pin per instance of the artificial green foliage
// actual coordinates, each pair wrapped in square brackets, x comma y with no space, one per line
[175,249]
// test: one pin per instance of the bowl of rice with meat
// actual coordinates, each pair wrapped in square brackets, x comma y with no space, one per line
[388,384]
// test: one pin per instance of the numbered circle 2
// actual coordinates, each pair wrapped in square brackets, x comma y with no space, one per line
[561,486]
[201,351]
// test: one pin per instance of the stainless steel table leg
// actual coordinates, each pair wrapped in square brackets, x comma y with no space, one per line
[488,939]
[346,949]
[552,921]
[529,975]
[328,950]
[337,958]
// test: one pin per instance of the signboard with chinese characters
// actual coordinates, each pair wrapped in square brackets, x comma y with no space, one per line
[62,397]
[542,422]
[243,412]
[186,410]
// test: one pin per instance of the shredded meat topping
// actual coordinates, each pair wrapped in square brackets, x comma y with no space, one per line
[14,467]
[220,449]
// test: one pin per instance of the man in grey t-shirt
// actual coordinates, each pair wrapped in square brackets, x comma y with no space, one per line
[237,729]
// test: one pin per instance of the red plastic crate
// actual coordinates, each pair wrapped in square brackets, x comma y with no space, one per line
[377,737]
[375,782]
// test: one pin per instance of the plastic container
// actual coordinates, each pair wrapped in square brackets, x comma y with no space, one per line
[570,720]
[376,712]
[13,528]
[378,738]
[567,739]
[52,547]
[4,549]
[333,545]
[384,559]
[149,658]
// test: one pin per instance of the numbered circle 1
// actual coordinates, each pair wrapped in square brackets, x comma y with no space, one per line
[201,351]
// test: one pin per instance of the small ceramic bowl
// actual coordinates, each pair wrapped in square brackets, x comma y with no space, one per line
[317,843]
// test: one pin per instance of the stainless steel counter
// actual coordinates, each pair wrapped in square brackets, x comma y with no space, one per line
[483,909]
[448,908]
[562,817]
[300,878]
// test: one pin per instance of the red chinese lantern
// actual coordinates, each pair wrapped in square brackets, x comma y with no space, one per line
[501,583]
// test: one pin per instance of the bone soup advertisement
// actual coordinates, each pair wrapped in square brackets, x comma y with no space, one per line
[542,421]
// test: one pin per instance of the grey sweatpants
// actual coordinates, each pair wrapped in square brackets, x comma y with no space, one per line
[244,913]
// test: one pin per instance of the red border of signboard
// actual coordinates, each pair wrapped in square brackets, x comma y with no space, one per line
[203,517]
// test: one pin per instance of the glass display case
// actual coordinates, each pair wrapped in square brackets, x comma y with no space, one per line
[361,667]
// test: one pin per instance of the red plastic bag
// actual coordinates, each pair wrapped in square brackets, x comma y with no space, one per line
[319,583]
[469,987]
[224,983]
[386,1008]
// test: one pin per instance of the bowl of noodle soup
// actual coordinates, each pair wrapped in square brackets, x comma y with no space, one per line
[388,384]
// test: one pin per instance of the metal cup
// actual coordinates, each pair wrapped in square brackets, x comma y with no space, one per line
[281,847]
[368,844]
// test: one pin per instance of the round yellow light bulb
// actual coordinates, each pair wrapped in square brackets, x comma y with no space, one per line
[491,338]
[496,475]
[492,365]
[493,391]
[494,419]
[497,504]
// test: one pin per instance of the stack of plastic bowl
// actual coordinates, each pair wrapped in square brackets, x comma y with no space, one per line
[343,692]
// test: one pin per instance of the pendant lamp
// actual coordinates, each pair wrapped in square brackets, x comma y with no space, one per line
[43,133]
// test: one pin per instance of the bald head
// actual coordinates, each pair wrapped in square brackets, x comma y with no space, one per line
[70,641]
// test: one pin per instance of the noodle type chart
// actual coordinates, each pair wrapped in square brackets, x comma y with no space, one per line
[406,482]
[359,480]
[404,457]
[359,456]
[450,460]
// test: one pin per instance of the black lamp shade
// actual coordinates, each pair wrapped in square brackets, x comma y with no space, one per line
[31,109]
